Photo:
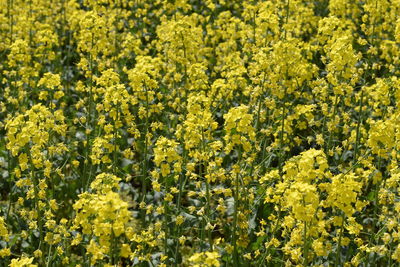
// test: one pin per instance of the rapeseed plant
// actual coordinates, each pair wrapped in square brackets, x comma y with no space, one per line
[199,133]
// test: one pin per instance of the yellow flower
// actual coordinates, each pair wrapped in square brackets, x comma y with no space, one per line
[3,229]
[22,262]
[125,250]
[205,259]
[179,219]
[5,252]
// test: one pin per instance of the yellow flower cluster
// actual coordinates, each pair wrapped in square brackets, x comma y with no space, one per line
[206,259]
[103,217]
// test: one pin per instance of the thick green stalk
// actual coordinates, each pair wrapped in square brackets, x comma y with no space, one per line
[339,246]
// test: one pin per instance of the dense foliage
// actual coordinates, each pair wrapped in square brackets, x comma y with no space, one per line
[199,133]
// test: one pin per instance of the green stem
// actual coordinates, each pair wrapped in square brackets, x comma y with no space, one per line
[10,18]
[208,198]
[339,247]
[287,16]
[305,246]
[334,118]
[263,257]
[48,256]
[145,161]
[37,207]
[208,212]
[236,199]
[115,136]
[182,182]
[235,215]
[358,129]
[281,152]
[89,124]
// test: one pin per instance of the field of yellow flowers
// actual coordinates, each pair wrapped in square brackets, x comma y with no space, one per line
[199,133]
